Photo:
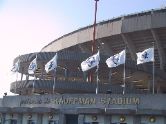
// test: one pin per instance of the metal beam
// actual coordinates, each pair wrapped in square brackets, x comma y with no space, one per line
[130,46]
[159,48]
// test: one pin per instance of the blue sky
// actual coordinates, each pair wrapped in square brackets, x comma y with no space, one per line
[28,25]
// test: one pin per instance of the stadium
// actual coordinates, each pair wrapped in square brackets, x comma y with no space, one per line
[68,95]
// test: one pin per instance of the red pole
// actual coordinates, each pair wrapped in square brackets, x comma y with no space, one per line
[94,40]
[94,30]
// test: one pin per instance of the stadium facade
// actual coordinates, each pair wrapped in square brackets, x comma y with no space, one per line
[68,97]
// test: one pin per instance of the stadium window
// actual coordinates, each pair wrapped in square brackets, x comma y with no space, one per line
[13,121]
[91,122]
[118,123]
[31,122]
[95,122]
[52,122]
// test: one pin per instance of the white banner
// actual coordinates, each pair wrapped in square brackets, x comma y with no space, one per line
[32,66]
[117,59]
[145,56]
[52,64]
[16,66]
[90,62]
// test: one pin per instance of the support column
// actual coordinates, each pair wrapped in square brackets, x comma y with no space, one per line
[107,119]
[62,118]
[81,119]
[39,118]
[159,48]
[3,118]
[20,118]
[164,119]
[137,119]
[130,45]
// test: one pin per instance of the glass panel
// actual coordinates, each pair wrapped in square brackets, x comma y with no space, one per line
[118,123]
[31,122]
[13,121]
[53,122]
[95,122]
[91,122]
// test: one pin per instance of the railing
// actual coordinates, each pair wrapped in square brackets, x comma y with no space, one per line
[46,86]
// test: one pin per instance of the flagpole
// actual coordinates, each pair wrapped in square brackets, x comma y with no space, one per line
[33,89]
[153,71]
[110,76]
[124,74]
[94,40]
[54,82]
[97,87]
[33,86]
[17,69]
[16,82]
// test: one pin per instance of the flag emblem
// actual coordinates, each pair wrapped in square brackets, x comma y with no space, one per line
[145,56]
[16,66]
[52,64]
[33,66]
[116,59]
[90,62]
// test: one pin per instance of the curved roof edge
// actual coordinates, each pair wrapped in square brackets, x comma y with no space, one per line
[110,20]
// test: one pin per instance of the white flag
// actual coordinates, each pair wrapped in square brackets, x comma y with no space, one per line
[16,66]
[90,62]
[33,66]
[116,59]
[52,64]
[145,56]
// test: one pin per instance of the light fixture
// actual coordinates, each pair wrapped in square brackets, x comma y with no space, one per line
[135,81]
[50,116]
[152,119]
[29,116]
[5,94]
[94,117]
[122,119]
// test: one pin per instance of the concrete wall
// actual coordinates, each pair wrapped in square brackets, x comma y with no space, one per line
[26,117]
[99,118]
[68,101]
[116,119]
[46,118]
[35,117]
[159,120]
[1,101]
[9,117]
[87,118]
[148,105]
